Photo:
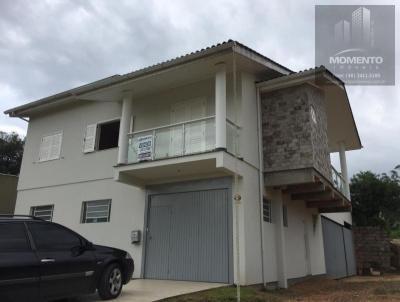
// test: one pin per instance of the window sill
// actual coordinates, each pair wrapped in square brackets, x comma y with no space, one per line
[49,160]
[97,151]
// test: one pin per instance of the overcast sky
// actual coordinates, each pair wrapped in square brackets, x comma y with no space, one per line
[50,46]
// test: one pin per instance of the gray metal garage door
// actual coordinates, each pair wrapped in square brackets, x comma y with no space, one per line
[188,236]
[338,247]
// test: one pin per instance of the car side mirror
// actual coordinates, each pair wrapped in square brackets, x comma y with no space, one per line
[77,250]
[88,245]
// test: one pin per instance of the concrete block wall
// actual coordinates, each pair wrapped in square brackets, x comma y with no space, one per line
[291,139]
[372,249]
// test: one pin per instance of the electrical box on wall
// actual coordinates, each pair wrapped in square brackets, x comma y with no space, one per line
[135,236]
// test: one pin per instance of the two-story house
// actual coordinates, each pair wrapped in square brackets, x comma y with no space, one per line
[213,166]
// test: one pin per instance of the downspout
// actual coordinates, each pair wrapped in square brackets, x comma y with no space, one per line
[237,197]
[261,180]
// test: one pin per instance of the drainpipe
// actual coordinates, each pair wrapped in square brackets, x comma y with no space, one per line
[343,168]
[261,180]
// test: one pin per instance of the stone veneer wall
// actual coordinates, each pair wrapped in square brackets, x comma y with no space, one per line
[372,249]
[291,139]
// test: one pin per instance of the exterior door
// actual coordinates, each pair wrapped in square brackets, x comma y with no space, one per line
[349,247]
[188,237]
[307,249]
[338,247]
[19,266]
[65,267]
[192,140]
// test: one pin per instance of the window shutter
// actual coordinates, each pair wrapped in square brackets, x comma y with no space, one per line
[55,149]
[45,146]
[90,138]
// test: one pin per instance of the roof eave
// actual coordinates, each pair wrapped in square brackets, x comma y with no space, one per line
[310,77]
[21,111]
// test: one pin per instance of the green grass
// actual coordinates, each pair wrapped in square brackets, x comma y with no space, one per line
[228,294]
[365,289]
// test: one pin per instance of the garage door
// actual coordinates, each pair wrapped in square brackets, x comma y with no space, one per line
[188,236]
[338,247]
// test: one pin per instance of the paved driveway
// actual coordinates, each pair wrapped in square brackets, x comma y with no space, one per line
[145,290]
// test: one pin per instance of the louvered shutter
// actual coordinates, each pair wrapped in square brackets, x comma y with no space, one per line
[45,146]
[90,138]
[55,149]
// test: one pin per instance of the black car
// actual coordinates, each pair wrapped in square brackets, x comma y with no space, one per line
[44,261]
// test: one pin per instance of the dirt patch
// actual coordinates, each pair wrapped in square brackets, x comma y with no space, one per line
[355,289]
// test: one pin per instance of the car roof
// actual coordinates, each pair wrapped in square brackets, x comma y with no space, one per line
[16,218]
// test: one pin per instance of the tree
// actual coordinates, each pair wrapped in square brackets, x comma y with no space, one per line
[11,150]
[376,200]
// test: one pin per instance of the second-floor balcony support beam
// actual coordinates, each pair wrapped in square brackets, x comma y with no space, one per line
[343,168]
[220,106]
[124,128]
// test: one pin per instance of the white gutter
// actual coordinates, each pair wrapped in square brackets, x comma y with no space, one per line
[261,181]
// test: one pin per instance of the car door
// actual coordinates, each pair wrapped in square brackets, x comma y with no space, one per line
[66,265]
[19,267]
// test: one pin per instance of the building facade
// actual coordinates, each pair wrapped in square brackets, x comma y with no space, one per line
[214,166]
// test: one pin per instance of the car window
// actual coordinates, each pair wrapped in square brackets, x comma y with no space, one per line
[13,237]
[49,236]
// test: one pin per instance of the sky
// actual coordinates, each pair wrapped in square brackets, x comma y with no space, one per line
[50,46]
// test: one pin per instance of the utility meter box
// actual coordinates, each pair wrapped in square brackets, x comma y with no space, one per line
[135,236]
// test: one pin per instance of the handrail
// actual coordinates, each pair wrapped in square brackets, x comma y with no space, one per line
[338,181]
[229,121]
[172,125]
[337,173]
[181,123]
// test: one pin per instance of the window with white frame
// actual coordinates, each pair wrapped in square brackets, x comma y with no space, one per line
[43,212]
[50,147]
[96,211]
[313,114]
[285,216]
[267,212]
[101,136]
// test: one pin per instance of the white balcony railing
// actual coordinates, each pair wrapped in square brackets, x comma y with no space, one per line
[338,181]
[191,137]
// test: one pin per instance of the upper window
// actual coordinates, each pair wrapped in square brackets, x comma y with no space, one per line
[313,114]
[50,147]
[13,237]
[43,212]
[267,213]
[101,136]
[96,211]
[49,236]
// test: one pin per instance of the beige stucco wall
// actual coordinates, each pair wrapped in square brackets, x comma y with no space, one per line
[8,193]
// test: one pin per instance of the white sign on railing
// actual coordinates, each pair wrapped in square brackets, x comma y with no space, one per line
[145,147]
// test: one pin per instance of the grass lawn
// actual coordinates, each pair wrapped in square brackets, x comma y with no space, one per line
[354,289]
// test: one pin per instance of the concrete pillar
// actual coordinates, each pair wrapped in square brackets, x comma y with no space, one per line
[343,168]
[124,128]
[220,106]
[277,201]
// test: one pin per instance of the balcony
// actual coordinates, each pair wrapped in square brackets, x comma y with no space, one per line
[179,152]
[179,139]
[328,195]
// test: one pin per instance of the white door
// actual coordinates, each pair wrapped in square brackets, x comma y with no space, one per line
[307,249]
[195,133]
